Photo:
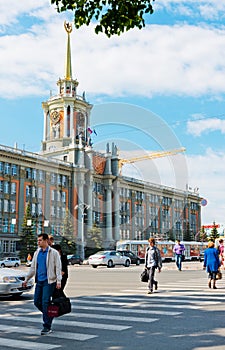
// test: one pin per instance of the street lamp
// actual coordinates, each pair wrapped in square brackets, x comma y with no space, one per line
[82,207]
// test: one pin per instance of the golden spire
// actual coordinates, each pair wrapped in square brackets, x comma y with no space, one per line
[68,67]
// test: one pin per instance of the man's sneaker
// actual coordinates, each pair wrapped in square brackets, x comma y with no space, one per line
[46,331]
[150,292]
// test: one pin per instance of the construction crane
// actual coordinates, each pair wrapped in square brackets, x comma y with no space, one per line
[152,155]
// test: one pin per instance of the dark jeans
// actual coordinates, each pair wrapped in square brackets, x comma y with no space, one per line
[151,274]
[178,261]
[42,295]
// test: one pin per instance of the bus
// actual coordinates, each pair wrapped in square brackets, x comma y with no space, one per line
[138,247]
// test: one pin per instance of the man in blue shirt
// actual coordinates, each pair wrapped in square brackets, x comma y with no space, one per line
[46,267]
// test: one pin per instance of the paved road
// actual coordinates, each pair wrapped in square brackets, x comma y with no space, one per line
[111,311]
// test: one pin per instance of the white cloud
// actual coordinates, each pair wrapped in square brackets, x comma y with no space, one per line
[198,127]
[208,9]
[159,59]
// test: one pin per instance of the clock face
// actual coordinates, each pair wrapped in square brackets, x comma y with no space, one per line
[55,117]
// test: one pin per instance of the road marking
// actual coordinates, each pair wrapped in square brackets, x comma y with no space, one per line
[35,331]
[149,303]
[119,318]
[72,323]
[137,311]
[27,345]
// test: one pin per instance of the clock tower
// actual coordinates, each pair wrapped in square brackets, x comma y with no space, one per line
[66,117]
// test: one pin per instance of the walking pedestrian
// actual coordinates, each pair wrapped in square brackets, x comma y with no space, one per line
[179,249]
[153,261]
[50,240]
[64,261]
[221,252]
[46,267]
[211,263]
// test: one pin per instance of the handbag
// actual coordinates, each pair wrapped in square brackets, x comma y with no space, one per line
[144,276]
[218,275]
[59,306]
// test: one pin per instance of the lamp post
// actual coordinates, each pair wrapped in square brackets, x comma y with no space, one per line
[82,207]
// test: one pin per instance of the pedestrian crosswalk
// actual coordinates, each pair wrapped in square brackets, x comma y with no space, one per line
[94,316]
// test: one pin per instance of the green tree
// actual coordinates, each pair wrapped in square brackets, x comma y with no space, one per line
[94,240]
[28,240]
[111,16]
[67,243]
[214,233]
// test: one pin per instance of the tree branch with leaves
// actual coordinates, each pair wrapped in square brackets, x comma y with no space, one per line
[111,16]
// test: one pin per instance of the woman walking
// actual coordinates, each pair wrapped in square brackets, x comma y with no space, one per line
[211,263]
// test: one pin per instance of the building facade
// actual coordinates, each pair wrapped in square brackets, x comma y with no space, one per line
[68,175]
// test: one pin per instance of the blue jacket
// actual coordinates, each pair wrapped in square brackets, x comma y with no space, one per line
[211,260]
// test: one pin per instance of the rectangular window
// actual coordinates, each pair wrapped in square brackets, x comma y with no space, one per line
[14,170]
[40,192]
[5,246]
[12,247]
[7,169]
[41,175]
[6,205]
[28,173]
[34,192]
[64,197]
[12,206]
[27,191]
[34,174]
[5,225]
[33,208]
[13,188]
[64,182]
[6,187]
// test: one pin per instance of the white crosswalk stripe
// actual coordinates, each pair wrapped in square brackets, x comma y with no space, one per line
[113,312]
[26,345]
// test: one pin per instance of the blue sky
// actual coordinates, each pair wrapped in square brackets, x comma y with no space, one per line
[156,89]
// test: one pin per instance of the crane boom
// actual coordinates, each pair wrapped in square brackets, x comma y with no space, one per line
[152,155]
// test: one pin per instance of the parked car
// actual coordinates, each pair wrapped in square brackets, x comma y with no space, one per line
[74,259]
[201,255]
[11,282]
[10,262]
[109,258]
[133,257]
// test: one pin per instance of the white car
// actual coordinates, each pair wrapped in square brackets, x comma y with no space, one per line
[11,282]
[10,262]
[109,258]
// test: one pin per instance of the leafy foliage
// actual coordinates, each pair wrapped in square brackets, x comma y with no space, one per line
[28,240]
[214,233]
[67,243]
[94,240]
[112,16]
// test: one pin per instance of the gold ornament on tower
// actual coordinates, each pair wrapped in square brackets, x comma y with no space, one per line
[68,27]
[55,117]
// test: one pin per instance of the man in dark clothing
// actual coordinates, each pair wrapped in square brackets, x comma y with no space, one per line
[64,261]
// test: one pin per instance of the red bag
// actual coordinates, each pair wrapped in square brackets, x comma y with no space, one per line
[59,306]
[53,311]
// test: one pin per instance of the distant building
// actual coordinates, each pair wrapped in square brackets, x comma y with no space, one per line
[69,174]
